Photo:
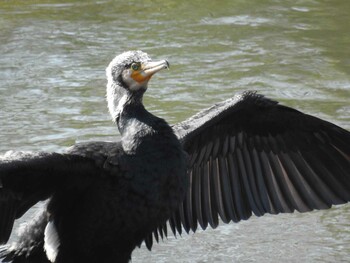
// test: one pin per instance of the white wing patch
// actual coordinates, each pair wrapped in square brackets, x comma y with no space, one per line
[51,241]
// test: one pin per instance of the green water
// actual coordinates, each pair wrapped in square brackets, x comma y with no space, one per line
[52,85]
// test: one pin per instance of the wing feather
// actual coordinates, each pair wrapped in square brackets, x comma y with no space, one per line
[218,190]
[226,189]
[26,178]
[250,155]
[262,188]
[197,194]
[209,206]
[240,200]
[274,187]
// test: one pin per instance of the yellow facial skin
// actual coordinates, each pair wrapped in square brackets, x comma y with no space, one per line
[142,72]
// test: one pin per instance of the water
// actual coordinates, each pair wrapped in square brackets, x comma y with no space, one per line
[52,85]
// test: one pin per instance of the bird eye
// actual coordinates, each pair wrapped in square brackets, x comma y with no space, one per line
[135,66]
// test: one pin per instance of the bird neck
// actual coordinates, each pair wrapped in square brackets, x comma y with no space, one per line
[131,112]
[136,125]
[134,122]
[119,99]
[141,131]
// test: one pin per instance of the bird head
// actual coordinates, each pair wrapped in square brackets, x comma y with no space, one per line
[128,75]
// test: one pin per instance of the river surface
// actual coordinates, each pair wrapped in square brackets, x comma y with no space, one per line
[52,92]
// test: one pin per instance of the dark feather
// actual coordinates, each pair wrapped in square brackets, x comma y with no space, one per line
[250,154]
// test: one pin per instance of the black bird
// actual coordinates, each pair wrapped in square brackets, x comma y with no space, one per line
[245,155]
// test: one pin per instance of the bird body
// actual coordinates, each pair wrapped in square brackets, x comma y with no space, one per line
[99,213]
[242,156]
[119,208]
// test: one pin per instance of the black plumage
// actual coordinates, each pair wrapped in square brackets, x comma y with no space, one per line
[245,155]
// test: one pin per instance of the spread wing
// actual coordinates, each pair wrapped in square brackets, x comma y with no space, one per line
[26,178]
[251,155]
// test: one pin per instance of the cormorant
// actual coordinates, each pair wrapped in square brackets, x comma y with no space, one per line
[245,155]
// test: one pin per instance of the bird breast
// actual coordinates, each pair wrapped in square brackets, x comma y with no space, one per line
[133,133]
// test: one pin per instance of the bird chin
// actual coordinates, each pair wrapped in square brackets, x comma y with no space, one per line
[136,86]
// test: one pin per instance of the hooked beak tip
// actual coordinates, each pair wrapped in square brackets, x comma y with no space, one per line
[167,64]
